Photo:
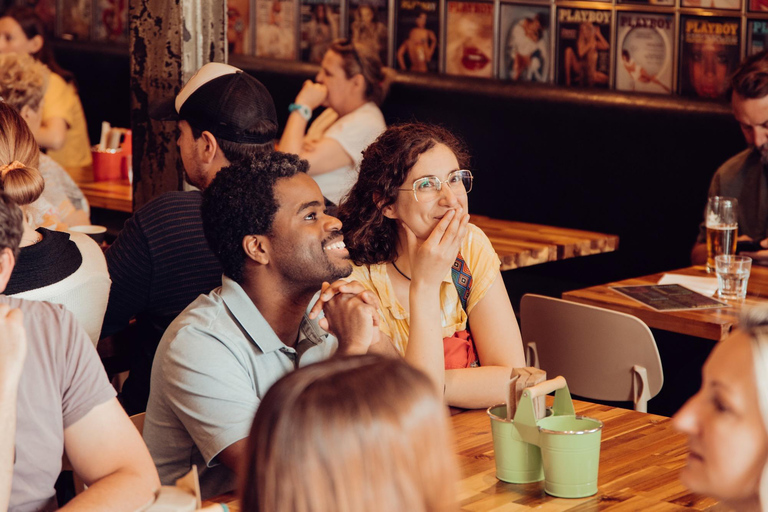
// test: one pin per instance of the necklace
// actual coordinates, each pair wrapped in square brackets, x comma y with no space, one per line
[30,239]
[400,271]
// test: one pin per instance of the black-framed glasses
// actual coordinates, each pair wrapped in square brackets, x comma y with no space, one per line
[427,188]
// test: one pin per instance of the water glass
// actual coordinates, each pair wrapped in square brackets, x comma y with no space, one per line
[721,221]
[732,275]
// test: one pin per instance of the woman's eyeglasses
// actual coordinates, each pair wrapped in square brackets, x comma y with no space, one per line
[428,188]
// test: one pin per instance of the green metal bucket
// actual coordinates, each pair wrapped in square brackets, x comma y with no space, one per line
[570,448]
[570,444]
[517,462]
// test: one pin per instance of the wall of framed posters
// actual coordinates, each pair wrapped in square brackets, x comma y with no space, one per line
[685,47]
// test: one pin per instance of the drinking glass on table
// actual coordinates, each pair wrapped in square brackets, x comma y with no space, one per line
[722,222]
[732,275]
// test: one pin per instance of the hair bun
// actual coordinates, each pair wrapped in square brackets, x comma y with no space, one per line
[22,183]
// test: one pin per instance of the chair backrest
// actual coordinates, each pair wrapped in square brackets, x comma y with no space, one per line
[603,354]
[138,421]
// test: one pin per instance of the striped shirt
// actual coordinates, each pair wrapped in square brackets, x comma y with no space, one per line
[159,264]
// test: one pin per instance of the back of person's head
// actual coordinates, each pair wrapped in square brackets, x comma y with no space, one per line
[364,60]
[348,435]
[19,157]
[11,225]
[750,81]
[370,237]
[22,81]
[230,104]
[33,26]
[241,201]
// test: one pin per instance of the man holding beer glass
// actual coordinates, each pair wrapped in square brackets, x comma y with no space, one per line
[742,178]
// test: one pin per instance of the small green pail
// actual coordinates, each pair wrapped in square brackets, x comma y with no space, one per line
[517,462]
[570,444]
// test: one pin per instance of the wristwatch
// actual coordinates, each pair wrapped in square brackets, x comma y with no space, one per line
[303,110]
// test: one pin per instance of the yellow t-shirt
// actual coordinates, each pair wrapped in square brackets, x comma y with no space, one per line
[483,263]
[61,100]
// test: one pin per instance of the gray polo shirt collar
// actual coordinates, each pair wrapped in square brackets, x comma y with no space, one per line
[258,329]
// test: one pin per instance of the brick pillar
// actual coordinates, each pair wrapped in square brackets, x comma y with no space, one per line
[169,40]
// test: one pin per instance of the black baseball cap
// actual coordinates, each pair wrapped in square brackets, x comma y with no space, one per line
[225,101]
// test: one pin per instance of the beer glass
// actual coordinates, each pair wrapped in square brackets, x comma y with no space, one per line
[722,223]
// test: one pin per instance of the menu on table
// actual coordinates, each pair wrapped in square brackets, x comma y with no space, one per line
[669,297]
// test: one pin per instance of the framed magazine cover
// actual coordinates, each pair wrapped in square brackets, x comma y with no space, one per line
[76,19]
[320,20]
[710,51]
[469,39]
[757,36]
[111,20]
[644,57]
[649,3]
[583,47]
[239,29]
[369,25]
[526,39]
[418,36]
[276,29]
[731,5]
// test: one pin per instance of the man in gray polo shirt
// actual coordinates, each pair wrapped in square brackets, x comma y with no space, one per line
[265,220]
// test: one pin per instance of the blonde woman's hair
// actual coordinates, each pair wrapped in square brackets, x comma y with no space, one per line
[23,80]
[754,322]
[348,435]
[19,156]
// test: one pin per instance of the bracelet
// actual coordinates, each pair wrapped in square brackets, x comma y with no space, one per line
[303,110]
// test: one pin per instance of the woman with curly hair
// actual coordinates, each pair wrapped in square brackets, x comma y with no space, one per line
[443,302]
[23,82]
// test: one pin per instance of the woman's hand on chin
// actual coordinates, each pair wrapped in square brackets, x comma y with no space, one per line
[431,260]
[312,94]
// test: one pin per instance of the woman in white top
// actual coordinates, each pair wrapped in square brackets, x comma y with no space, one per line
[352,83]
[63,268]
[727,420]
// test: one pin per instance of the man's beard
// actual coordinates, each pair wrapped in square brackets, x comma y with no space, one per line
[763,153]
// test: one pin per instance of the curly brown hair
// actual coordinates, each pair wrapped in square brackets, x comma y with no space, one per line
[370,237]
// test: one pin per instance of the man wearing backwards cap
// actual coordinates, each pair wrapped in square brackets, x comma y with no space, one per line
[161,262]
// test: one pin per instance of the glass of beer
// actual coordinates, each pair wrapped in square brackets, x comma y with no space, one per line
[722,223]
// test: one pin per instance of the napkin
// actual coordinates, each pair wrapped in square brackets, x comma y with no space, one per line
[703,285]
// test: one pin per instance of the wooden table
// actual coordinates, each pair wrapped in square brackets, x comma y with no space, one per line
[713,324]
[640,458]
[520,244]
[110,195]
